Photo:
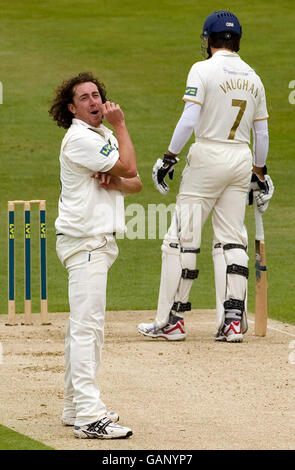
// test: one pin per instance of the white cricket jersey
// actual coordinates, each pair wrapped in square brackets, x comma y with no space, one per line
[231,94]
[85,209]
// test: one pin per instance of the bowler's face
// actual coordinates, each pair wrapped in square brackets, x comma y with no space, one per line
[87,104]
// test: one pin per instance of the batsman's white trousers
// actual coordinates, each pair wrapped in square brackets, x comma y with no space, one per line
[215,179]
[87,262]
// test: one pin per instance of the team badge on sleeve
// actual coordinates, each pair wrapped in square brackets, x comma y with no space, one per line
[106,150]
[191,91]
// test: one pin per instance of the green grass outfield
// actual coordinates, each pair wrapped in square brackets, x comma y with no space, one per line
[11,440]
[142,50]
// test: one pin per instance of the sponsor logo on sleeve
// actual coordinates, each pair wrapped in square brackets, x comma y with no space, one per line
[191,91]
[106,150]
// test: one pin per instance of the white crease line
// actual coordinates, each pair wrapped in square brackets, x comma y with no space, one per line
[275,329]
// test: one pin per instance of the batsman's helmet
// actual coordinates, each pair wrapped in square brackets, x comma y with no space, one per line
[222,21]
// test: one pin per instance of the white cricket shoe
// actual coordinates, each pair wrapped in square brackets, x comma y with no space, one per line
[171,332]
[102,429]
[231,333]
[70,421]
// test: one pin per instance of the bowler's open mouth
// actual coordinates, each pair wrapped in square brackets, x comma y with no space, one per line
[94,112]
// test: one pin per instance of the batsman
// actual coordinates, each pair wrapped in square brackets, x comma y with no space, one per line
[224,99]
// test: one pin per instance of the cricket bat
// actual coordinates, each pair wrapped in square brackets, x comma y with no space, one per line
[261,305]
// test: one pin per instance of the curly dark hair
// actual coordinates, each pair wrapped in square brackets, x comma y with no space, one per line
[64,95]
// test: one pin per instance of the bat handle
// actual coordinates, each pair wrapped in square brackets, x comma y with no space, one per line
[258,223]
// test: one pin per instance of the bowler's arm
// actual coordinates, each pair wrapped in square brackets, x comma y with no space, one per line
[131,185]
[119,183]
[126,164]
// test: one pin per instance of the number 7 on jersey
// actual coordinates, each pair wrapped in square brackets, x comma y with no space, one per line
[242,105]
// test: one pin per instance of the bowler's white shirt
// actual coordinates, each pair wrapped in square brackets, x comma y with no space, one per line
[231,94]
[85,209]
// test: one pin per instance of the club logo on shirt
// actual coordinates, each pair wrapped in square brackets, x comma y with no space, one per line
[191,91]
[106,150]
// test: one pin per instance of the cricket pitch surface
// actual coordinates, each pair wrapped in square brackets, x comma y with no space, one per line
[194,394]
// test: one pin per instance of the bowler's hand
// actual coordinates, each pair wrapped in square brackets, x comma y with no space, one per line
[107,181]
[112,113]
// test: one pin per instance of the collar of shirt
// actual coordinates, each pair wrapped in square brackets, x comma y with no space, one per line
[223,52]
[104,131]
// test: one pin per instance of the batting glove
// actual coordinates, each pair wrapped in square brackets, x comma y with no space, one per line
[261,190]
[160,169]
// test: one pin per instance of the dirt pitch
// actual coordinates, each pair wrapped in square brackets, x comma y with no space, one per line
[195,394]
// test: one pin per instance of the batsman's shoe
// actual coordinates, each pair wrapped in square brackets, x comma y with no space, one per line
[102,429]
[171,332]
[231,333]
[70,421]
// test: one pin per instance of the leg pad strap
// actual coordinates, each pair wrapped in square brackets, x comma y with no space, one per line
[190,250]
[181,307]
[238,269]
[189,273]
[231,246]
[234,304]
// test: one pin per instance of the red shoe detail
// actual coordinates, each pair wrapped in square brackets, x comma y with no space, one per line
[178,326]
[232,327]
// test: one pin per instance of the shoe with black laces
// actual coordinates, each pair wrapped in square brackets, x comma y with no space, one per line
[102,429]
[70,420]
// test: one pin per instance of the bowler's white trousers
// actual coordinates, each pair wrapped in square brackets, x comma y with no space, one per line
[87,261]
